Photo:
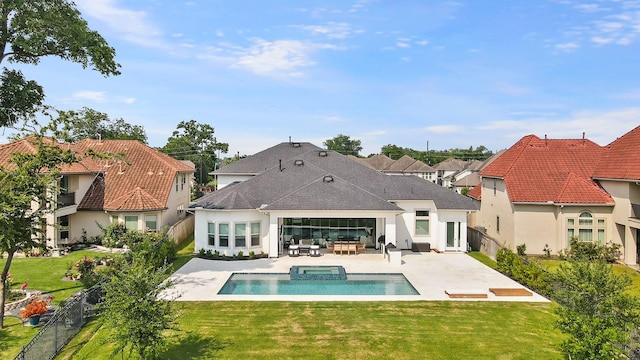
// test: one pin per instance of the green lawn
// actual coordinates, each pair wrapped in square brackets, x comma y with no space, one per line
[350,330]
[43,273]
[483,259]
[47,274]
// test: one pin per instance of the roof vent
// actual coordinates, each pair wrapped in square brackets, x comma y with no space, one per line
[327,179]
[298,163]
[322,153]
[295,144]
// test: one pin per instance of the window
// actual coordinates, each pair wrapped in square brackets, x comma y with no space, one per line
[586,228]
[151,222]
[422,222]
[176,183]
[114,219]
[131,222]
[184,181]
[211,234]
[223,235]
[64,185]
[240,234]
[63,222]
[495,187]
[497,223]
[255,234]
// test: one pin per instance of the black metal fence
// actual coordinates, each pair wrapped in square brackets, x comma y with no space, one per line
[62,326]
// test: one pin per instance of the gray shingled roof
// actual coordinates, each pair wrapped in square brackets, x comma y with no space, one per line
[266,159]
[301,187]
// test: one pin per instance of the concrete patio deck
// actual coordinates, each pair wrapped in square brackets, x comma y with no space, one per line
[430,273]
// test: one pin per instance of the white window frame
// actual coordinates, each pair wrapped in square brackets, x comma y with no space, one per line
[422,218]
[256,235]
[243,237]
[219,234]
[211,236]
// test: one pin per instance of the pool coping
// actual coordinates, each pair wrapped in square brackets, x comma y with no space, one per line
[432,274]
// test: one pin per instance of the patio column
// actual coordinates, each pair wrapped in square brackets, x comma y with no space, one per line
[390,229]
[273,236]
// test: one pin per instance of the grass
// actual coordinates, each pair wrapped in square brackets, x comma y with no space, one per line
[347,330]
[350,330]
[47,274]
[43,273]
[483,259]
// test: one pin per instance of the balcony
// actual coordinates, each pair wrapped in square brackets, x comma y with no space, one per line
[66,199]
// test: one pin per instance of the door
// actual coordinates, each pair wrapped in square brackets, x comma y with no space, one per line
[451,236]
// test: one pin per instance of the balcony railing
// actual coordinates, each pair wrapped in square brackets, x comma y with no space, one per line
[66,199]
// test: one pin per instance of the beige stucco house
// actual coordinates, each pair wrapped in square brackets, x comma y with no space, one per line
[136,185]
[543,192]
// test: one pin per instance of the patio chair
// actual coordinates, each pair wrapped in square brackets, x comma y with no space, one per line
[329,247]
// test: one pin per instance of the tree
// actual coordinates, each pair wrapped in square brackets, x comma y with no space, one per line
[31,30]
[344,145]
[195,142]
[433,157]
[132,310]
[91,124]
[597,312]
[26,180]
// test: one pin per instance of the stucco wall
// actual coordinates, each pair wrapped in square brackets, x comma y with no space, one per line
[497,204]
[224,180]
[203,217]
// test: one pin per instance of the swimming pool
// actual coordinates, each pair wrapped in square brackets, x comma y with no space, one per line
[282,284]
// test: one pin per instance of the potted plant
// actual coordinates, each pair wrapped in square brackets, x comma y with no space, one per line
[33,310]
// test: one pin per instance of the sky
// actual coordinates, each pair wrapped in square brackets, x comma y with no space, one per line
[417,74]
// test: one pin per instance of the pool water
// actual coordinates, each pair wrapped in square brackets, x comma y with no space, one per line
[281,284]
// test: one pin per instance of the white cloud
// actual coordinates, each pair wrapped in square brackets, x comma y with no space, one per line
[331,30]
[590,8]
[279,58]
[608,22]
[444,129]
[131,25]
[96,96]
[599,126]
[403,45]
[333,119]
[567,46]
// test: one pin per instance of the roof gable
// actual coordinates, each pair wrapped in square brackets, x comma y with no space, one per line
[620,158]
[543,170]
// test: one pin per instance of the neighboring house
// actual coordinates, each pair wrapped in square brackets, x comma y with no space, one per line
[301,190]
[543,192]
[137,186]
[406,165]
[445,171]
[469,177]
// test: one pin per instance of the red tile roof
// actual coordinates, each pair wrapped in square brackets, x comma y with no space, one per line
[620,160]
[550,170]
[136,177]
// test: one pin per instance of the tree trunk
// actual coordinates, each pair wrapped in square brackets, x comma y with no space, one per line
[3,280]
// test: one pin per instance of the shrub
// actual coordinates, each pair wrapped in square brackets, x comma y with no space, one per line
[201,252]
[252,255]
[240,254]
[547,251]
[588,250]
[208,254]
[530,274]
[522,249]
